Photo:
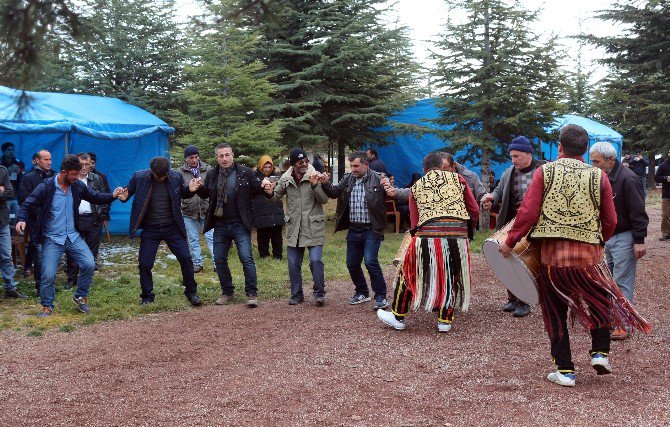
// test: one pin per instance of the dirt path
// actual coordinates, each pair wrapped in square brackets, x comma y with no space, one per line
[337,365]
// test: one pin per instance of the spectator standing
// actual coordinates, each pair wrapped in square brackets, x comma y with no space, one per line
[15,168]
[230,188]
[268,214]
[90,218]
[374,162]
[53,205]
[663,177]
[194,209]
[94,169]
[475,184]
[41,171]
[6,264]
[626,246]
[306,225]
[638,164]
[509,194]
[156,210]
[361,209]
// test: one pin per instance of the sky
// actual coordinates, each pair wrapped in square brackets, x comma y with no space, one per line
[425,19]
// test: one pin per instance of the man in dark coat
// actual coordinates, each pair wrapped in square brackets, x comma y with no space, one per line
[663,178]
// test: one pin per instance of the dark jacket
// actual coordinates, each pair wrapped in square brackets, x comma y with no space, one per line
[638,166]
[375,197]
[38,204]
[100,212]
[662,174]
[502,194]
[16,183]
[194,207]
[140,185]
[31,180]
[8,194]
[247,186]
[628,202]
[378,165]
[267,212]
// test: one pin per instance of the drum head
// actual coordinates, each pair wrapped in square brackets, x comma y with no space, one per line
[512,272]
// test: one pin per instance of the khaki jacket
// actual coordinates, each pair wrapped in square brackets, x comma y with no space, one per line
[305,219]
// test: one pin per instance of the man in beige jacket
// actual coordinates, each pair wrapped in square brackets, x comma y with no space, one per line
[305,223]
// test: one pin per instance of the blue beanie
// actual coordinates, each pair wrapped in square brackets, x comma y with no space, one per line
[191,150]
[521,143]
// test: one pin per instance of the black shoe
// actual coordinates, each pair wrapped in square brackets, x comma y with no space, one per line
[320,301]
[522,310]
[295,300]
[15,294]
[510,306]
[197,268]
[664,238]
[194,300]
[97,267]
[147,301]
[69,285]
[27,273]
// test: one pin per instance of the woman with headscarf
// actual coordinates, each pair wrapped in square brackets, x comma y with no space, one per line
[268,214]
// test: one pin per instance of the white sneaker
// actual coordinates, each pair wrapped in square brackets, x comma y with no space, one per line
[443,327]
[601,364]
[389,318]
[567,380]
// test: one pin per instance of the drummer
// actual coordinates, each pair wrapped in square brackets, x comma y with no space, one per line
[570,205]
[436,266]
[508,195]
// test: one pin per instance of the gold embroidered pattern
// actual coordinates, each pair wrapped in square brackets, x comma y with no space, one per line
[571,203]
[439,194]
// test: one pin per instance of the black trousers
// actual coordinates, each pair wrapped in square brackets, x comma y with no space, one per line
[267,235]
[560,338]
[91,232]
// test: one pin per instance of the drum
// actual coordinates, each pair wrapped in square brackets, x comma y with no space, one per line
[519,272]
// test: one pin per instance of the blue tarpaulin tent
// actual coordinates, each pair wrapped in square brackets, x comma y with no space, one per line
[404,153]
[123,136]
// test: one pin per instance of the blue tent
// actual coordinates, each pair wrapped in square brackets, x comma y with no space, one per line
[404,153]
[123,136]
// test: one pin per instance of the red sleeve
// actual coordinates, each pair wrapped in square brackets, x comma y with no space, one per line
[529,211]
[413,211]
[607,211]
[470,202]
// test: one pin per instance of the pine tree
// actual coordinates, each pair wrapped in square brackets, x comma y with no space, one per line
[498,79]
[226,97]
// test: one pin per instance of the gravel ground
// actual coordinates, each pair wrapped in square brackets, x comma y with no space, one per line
[338,365]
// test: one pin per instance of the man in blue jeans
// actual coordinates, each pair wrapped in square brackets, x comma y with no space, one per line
[361,208]
[54,204]
[156,210]
[6,263]
[230,188]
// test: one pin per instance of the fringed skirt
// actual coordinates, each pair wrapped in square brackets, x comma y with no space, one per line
[577,274]
[435,272]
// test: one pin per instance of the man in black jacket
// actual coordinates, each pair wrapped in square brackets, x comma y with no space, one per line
[157,211]
[230,188]
[626,246]
[663,177]
[41,171]
[53,205]
[361,208]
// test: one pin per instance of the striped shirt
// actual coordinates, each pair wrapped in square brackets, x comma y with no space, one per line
[358,208]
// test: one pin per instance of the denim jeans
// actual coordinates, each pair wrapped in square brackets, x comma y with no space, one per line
[51,254]
[224,234]
[193,227]
[6,263]
[363,244]
[294,256]
[622,262]
[150,238]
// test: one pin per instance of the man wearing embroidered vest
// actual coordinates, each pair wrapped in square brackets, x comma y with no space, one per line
[627,244]
[570,205]
[435,272]
[361,208]
[508,194]
[305,225]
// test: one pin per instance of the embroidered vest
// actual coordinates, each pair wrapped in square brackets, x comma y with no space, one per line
[439,194]
[571,202]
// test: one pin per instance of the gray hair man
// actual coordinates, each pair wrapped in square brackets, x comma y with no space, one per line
[475,184]
[627,244]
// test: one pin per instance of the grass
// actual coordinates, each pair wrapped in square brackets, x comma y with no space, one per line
[115,292]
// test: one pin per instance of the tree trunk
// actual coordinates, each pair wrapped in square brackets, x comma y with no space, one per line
[484,215]
[340,159]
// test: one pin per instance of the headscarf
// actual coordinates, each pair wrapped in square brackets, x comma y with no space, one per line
[262,162]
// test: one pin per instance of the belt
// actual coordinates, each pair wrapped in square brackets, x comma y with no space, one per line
[360,225]
[86,214]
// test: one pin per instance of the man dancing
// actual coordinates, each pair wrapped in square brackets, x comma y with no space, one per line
[435,272]
[571,206]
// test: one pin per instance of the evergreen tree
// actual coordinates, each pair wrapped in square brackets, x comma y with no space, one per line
[499,80]
[226,97]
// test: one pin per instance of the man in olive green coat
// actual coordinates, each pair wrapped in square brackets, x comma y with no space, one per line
[305,223]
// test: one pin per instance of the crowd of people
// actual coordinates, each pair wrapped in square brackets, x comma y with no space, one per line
[589,219]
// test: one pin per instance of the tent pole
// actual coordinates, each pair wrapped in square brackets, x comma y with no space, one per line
[67,142]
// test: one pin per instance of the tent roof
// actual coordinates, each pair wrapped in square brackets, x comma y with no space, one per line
[96,116]
[597,131]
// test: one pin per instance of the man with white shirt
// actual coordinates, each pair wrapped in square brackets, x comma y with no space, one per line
[90,217]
